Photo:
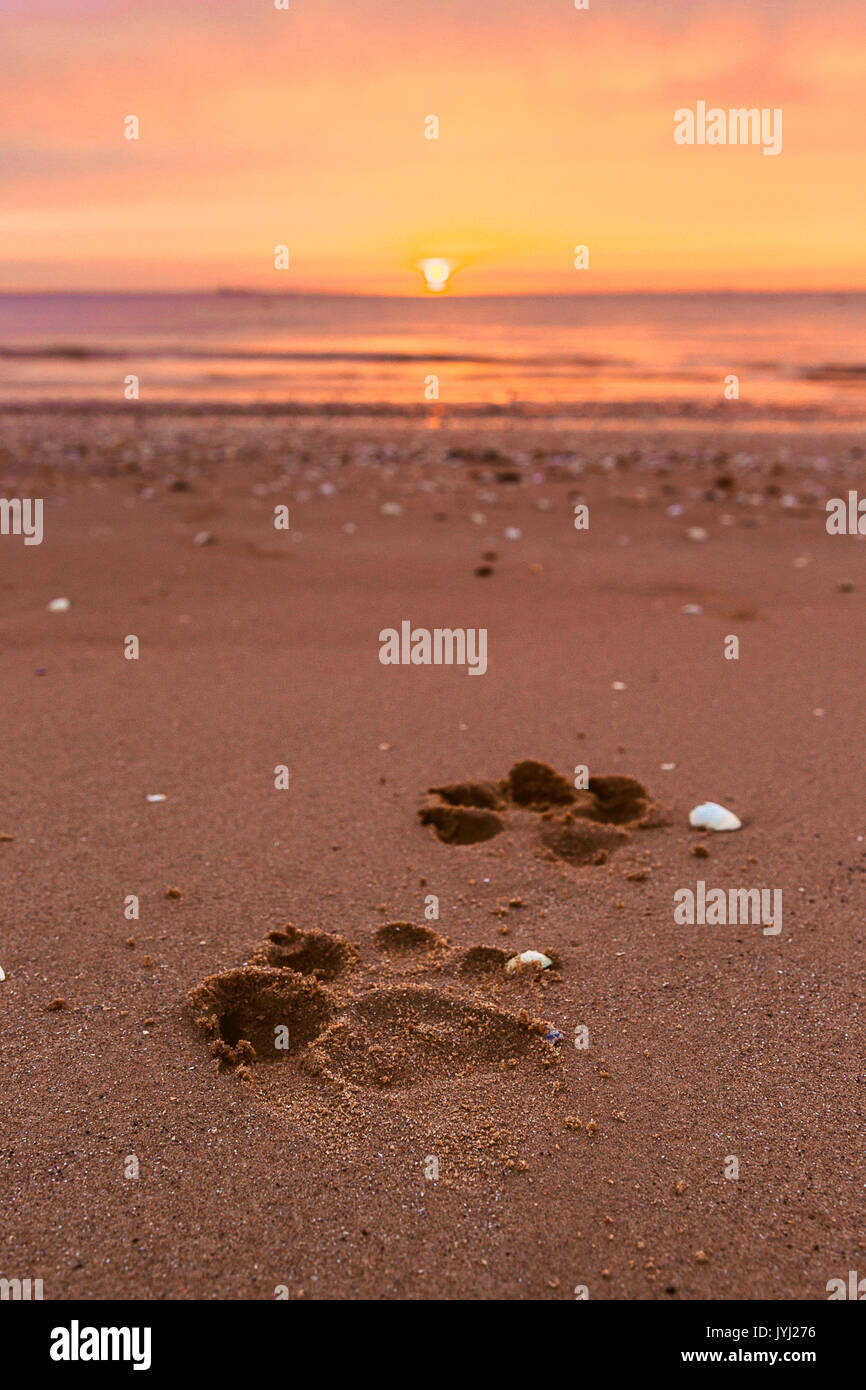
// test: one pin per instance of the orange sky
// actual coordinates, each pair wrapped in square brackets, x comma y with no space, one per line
[306,127]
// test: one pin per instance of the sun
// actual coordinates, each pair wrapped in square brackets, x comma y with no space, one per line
[436,274]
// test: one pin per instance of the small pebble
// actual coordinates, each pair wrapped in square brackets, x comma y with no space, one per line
[711,816]
[59,605]
[528,958]
[155,796]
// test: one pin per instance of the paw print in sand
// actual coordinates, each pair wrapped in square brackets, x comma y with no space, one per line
[404,1030]
[578,826]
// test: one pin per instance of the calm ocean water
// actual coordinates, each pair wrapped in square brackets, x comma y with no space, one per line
[238,347]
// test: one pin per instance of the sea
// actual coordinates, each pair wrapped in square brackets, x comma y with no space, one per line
[617,353]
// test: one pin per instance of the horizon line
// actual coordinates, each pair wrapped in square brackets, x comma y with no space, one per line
[245,292]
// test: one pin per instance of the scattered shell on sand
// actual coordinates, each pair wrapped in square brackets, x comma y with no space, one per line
[155,796]
[528,958]
[711,816]
[2,974]
[203,538]
[696,533]
[59,605]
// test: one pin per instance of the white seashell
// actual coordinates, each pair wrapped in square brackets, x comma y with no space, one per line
[2,973]
[155,796]
[527,958]
[711,816]
[696,533]
[59,605]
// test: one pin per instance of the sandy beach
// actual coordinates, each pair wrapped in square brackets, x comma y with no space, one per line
[582,1117]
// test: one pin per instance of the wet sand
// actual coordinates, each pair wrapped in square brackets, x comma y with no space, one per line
[558,1166]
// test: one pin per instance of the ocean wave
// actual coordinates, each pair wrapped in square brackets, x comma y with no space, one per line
[80,352]
[835,371]
[677,409]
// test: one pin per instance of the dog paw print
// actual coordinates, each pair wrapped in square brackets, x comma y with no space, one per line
[580,826]
[315,1020]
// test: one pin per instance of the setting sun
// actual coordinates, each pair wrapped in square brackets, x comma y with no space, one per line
[436,274]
